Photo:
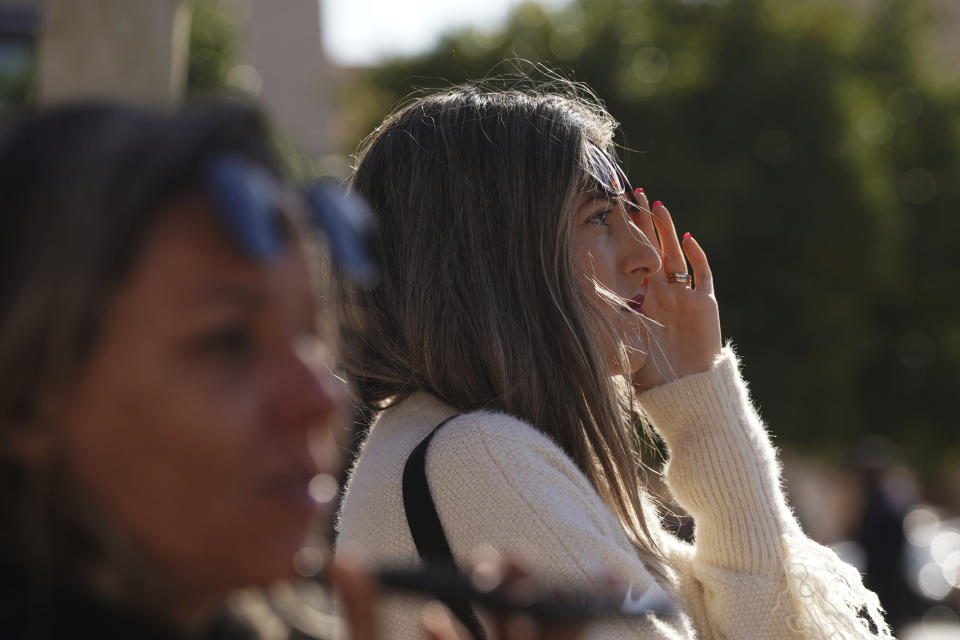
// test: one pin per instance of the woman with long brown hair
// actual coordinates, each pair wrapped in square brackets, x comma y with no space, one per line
[533,309]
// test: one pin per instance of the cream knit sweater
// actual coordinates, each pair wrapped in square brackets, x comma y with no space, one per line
[752,573]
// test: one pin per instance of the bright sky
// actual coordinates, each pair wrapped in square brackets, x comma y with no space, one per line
[363,31]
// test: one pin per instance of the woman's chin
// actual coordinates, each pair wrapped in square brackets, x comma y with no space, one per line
[637,361]
[636,353]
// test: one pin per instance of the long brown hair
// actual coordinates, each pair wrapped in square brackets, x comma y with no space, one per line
[475,188]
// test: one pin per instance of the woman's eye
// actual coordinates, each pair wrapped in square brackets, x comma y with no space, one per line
[600,217]
[234,342]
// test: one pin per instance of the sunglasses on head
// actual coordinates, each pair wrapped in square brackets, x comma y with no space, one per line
[251,202]
[610,177]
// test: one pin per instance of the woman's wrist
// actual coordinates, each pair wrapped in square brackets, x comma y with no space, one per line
[700,409]
[667,370]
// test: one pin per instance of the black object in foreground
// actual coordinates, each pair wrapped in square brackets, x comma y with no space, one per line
[524,596]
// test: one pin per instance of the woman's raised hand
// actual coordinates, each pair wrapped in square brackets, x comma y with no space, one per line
[685,337]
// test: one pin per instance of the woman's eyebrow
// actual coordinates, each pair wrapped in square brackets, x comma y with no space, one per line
[595,195]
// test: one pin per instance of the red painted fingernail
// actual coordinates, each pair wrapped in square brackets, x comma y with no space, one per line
[638,190]
[686,235]
[658,204]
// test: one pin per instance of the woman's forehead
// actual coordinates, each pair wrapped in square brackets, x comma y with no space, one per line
[595,194]
[191,259]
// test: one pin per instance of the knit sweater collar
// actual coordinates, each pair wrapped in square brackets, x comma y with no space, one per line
[421,407]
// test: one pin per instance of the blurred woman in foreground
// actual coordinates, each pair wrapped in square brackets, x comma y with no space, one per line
[163,404]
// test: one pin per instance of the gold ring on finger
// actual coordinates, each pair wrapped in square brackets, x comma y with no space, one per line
[683,278]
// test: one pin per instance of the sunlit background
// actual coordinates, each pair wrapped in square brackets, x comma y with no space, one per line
[365,32]
[812,146]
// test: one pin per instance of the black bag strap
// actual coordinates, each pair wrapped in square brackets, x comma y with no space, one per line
[427,530]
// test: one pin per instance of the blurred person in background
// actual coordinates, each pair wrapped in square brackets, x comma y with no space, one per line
[880,529]
[532,306]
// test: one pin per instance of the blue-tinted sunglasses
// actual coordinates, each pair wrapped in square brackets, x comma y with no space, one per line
[248,199]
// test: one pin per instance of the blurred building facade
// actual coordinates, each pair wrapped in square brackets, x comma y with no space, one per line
[137,51]
[284,65]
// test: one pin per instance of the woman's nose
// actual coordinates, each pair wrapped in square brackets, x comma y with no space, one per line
[639,256]
[307,395]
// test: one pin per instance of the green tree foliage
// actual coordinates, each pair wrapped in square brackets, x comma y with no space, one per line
[814,150]
[213,35]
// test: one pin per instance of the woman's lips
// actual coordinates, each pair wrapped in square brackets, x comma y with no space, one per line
[636,303]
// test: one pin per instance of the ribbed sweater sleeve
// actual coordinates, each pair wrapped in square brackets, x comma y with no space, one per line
[752,572]
[722,468]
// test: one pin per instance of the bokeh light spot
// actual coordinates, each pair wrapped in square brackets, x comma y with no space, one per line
[650,65]
[920,525]
[309,561]
[245,78]
[944,544]
[951,569]
[876,126]
[932,583]
[323,488]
